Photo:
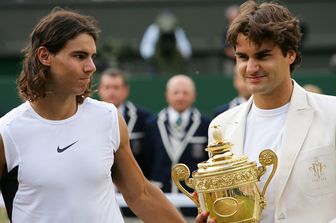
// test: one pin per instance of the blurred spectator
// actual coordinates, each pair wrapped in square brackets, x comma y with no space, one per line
[312,88]
[178,134]
[243,93]
[231,13]
[165,45]
[332,63]
[113,88]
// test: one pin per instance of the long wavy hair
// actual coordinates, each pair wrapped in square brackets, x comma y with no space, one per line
[53,31]
[267,21]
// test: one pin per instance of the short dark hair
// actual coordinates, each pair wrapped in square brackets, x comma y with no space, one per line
[267,21]
[115,72]
[53,32]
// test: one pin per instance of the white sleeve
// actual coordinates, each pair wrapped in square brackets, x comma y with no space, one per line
[183,43]
[148,42]
[11,153]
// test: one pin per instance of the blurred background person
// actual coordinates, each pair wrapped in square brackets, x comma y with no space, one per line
[165,45]
[229,59]
[178,134]
[332,63]
[113,88]
[313,88]
[243,93]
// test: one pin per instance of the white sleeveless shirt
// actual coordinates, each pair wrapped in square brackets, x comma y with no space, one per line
[64,167]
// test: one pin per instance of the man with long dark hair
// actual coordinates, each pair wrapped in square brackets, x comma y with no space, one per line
[59,145]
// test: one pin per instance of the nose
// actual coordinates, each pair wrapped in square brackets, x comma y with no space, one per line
[90,67]
[251,66]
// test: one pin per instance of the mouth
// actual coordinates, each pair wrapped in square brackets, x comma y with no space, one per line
[255,79]
[85,79]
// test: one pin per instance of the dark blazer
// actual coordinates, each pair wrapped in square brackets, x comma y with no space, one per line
[162,156]
[135,118]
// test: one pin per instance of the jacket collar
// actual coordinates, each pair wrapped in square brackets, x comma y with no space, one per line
[162,122]
[298,121]
[130,116]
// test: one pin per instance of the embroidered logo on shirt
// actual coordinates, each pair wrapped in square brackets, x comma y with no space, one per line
[318,169]
[60,150]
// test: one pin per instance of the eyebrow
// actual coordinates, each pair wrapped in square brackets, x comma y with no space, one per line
[265,51]
[83,52]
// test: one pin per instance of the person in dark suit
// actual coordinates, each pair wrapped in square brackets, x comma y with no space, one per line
[243,94]
[113,88]
[178,134]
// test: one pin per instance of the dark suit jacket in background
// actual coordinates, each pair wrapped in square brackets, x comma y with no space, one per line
[162,156]
[135,118]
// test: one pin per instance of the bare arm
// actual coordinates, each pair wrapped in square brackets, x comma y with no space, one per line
[147,201]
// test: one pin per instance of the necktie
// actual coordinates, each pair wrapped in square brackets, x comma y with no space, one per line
[178,121]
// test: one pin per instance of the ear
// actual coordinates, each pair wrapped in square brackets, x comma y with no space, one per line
[44,55]
[291,56]
[166,95]
[127,88]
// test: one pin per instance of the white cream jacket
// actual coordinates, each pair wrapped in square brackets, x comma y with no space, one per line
[305,180]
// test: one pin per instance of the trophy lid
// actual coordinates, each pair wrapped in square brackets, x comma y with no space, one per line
[221,159]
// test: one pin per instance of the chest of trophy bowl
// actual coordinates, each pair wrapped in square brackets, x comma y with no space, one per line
[229,191]
[227,184]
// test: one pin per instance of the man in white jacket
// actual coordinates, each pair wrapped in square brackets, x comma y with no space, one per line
[299,126]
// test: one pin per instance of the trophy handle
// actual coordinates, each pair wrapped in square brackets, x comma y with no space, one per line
[180,172]
[266,158]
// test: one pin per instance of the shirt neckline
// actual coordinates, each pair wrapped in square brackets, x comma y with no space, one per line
[69,119]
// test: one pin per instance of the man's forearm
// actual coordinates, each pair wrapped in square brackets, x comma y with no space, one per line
[153,206]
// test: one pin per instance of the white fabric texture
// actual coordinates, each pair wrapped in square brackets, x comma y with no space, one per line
[64,169]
